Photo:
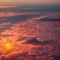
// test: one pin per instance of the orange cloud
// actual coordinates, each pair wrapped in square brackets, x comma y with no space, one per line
[7,6]
[31,28]
[10,14]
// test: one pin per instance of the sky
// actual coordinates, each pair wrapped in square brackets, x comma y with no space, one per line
[29,2]
[29,32]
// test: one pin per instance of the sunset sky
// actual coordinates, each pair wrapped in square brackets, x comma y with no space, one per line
[30,2]
[29,29]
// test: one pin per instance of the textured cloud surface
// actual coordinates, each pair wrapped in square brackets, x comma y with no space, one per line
[31,38]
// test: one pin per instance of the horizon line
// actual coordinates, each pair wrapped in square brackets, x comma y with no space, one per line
[18,3]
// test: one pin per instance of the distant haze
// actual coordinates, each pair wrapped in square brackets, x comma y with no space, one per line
[29,2]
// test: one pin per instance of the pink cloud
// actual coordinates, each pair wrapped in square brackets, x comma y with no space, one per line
[30,28]
[7,6]
[54,15]
[10,14]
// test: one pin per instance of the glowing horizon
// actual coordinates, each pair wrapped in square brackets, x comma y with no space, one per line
[19,2]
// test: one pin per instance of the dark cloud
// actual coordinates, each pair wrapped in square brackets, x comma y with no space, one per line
[49,19]
[56,57]
[32,8]
[35,41]
[32,41]
[5,26]
[18,17]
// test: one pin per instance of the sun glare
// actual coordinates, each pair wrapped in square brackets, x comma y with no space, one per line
[8,47]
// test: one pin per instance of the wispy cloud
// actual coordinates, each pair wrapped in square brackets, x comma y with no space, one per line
[8,6]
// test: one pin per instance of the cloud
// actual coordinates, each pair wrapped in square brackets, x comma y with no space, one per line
[54,15]
[14,17]
[49,19]
[5,35]
[31,39]
[8,6]
[16,55]
[35,41]
[13,56]
[10,14]
[57,57]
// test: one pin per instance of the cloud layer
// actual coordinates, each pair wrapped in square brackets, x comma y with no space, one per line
[31,38]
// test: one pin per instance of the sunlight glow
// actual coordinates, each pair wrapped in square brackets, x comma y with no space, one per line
[8,47]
